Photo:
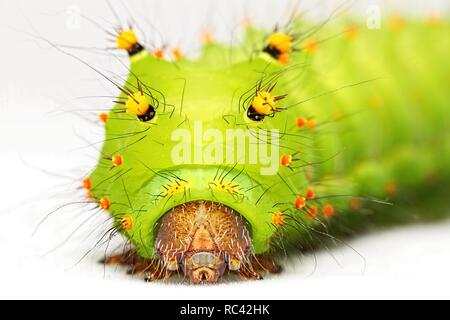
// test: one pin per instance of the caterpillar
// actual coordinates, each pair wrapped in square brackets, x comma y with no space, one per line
[223,163]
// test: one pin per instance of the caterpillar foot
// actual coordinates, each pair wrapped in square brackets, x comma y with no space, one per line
[127,258]
[158,274]
[266,264]
[248,273]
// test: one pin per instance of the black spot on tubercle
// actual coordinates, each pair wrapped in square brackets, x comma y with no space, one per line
[135,49]
[253,115]
[272,51]
[151,113]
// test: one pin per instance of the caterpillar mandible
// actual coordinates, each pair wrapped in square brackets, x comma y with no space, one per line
[222,163]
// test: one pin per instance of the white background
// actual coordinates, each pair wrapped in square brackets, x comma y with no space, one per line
[46,127]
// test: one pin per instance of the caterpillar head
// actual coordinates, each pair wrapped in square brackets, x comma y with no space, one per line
[202,154]
[203,239]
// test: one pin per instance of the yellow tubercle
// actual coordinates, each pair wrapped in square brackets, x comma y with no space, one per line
[278,219]
[227,187]
[126,39]
[281,41]
[177,54]
[127,223]
[177,187]
[264,103]
[137,104]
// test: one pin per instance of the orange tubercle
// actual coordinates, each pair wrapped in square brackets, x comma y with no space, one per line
[87,184]
[328,210]
[104,203]
[397,23]
[301,122]
[284,58]
[355,203]
[159,53]
[311,124]
[286,160]
[311,45]
[391,188]
[127,222]
[351,33]
[278,219]
[300,202]
[104,117]
[312,211]
[117,160]
[310,194]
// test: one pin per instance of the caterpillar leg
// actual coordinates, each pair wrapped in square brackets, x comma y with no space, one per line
[247,272]
[136,264]
[159,272]
[126,258]
[153,269]
[264,263]
[141,267]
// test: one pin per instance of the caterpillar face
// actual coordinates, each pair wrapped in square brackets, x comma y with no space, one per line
[203,239]
[194,152]
[200,163]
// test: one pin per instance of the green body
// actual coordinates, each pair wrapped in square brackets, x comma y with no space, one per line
[380,140]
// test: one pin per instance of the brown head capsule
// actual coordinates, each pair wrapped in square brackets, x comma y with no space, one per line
[203,239]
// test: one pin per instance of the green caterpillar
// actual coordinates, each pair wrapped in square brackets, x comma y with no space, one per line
[222,162]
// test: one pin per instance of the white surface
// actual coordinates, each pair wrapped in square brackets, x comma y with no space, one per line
[37,84]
